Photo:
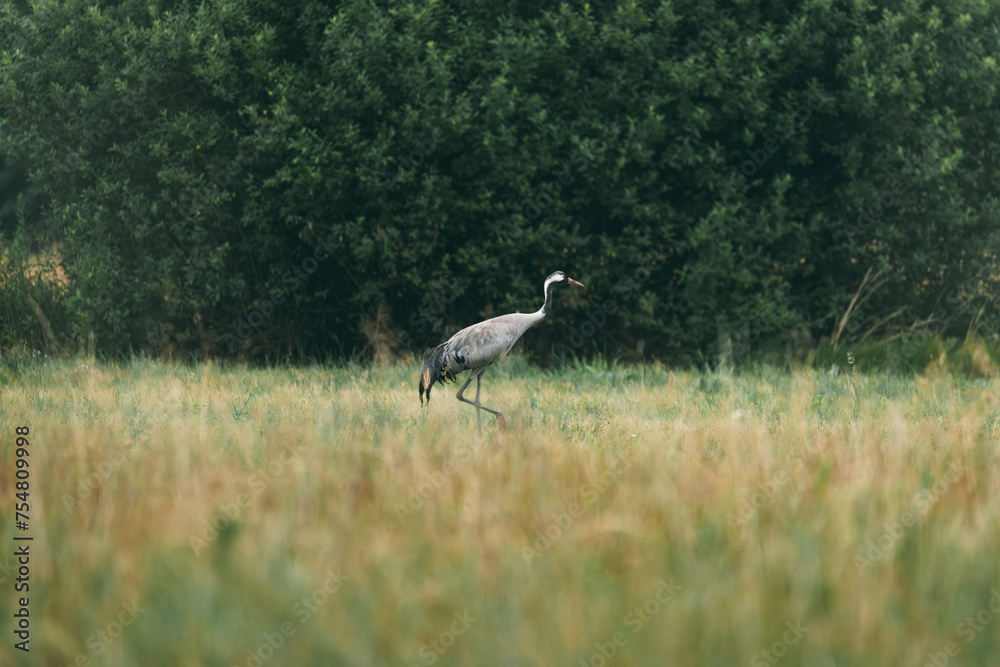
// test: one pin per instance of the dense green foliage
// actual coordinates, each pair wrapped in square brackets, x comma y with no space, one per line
[313,178]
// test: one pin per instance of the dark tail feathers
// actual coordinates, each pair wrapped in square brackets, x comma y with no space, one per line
[437,368]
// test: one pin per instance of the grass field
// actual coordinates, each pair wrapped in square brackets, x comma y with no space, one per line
[629,516]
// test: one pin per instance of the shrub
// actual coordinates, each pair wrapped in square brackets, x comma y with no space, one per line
[194,159]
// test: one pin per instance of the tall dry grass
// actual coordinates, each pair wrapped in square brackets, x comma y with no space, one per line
[628,517]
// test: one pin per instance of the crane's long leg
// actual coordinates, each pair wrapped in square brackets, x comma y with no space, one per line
[479,406]
[473,374]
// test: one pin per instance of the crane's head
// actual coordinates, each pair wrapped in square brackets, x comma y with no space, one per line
[560,277]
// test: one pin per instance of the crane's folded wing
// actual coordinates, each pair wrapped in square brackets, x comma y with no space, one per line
[490,341]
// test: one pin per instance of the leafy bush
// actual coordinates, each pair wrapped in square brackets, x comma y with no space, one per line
[715,172]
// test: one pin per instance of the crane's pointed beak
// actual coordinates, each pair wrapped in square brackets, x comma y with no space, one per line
[573,282]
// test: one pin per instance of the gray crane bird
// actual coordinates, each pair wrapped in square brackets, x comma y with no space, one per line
[477,347]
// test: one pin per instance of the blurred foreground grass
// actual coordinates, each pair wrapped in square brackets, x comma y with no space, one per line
[223,516]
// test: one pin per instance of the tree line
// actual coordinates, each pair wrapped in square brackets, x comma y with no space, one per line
[758,160]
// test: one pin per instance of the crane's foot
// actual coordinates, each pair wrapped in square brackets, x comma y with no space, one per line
[501,422]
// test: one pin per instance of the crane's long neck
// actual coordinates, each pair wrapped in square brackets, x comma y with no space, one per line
[540,314]
[549,284]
